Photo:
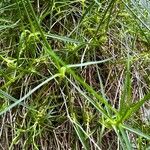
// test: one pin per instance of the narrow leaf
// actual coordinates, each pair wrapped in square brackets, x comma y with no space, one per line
[136,131]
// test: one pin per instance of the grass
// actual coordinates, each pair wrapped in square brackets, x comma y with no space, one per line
[74,74]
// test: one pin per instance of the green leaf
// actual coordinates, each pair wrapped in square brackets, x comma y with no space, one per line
[125,137]
[80,134]
[94,103]
[89,63]
[126,94]
[63,38]
[136,131]
[6,95]
[27,95]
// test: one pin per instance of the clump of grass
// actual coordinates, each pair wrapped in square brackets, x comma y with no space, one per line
[74,76]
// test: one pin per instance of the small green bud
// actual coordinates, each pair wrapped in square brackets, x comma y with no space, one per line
[62,71]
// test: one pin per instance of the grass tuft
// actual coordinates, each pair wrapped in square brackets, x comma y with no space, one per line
[74,74]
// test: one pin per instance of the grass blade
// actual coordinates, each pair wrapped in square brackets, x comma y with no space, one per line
[125,137]
[28,94]
[88,63]
[136,131]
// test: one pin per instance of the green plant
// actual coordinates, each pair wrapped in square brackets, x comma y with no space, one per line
[77,76]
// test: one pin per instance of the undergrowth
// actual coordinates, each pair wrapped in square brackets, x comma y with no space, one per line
[74,74]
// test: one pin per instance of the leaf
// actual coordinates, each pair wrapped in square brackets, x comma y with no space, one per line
[135,107]
[88,63]
[81,135]
[27,95]
[95,104]
[6,95]
[125,137]
[125,100]
[63,38]
[136,131]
